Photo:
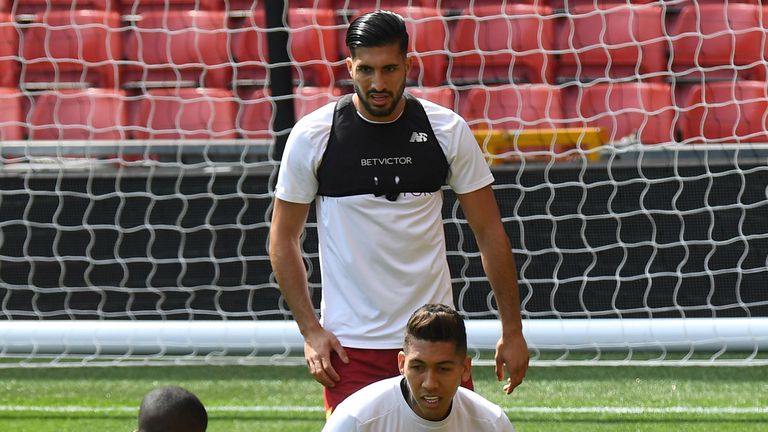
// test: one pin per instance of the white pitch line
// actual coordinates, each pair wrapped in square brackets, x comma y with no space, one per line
[511,410]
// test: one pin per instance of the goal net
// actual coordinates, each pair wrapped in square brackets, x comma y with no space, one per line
[140,141]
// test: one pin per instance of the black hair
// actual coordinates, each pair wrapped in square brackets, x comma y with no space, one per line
[171,409]
[437,323]
[376,29]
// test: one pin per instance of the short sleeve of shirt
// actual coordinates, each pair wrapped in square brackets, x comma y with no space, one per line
[297,179]
[468,170]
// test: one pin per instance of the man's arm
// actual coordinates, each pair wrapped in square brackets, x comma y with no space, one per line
[285,254]
[484,219]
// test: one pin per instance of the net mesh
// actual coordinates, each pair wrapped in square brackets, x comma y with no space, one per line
[628,140]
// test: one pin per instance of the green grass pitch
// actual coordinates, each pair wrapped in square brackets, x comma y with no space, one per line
[285,399]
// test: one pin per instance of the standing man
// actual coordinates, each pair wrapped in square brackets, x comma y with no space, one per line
[374,164]
[427,396]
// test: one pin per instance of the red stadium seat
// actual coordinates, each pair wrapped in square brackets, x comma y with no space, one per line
[726,112]
[490,47]
[173,48]
[82,114]
[36,6]
[623,109]
[138,6]
[440,95]
[428,32]
[620,41]
[11,115]
[515,107]
[186,113]
[369,5]
[312,46]
[722,40]
[254,120]
[77,46]
[9,49]
[459,5]
[308,99]
[599,4]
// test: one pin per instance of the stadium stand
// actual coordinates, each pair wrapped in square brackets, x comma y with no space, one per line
[443,96]
[36,6]
[9,49]
[515,107]
[726,112]
[178,48]
[60,48]
[82,114]
[717,41]
[308,98]
[254,117]
[312,44]
[490,48]
[139,6]
[11,114]
[626,109]
[185,113]
[616,42]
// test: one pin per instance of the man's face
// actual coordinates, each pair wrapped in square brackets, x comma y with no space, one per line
[378,74]
[433,371]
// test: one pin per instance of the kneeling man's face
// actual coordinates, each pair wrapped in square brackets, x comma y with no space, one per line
[434,372]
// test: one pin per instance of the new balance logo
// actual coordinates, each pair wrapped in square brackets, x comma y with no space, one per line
[418,137]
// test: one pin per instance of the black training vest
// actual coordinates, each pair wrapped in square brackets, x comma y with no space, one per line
[381,159]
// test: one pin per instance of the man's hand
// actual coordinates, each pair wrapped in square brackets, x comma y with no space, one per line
[318,347]
[511,352]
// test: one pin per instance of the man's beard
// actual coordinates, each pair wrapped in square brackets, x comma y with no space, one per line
[379,112]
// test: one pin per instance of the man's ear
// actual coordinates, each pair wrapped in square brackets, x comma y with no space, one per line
[467,373]
[348,62]
[401,362]
[408,64]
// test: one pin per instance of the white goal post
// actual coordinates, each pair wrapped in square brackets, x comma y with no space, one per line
[126,343]
[140,142]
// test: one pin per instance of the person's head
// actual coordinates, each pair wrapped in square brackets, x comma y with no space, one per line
[434,359]
[172,409]
[378,63]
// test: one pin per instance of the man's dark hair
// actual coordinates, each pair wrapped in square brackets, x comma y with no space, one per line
[376,29]
[172,409]
[437,323]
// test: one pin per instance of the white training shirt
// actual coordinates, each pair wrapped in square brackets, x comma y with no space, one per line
[379,259]
[381,407]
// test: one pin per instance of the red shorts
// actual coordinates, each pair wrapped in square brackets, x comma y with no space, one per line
[365,366]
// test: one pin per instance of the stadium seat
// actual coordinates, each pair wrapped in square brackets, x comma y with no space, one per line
[61,48]
[569,5]
[312,46]
[81,114]
[726,112]
[9,49]
[185,113]
[369,5]
[254,119]
[489,47]
[139,6]
[442,96]
[308,99]
[11,114]
[515,107]
[623,109]
[620,41]
[178,48]
[720,40]
[36,6]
